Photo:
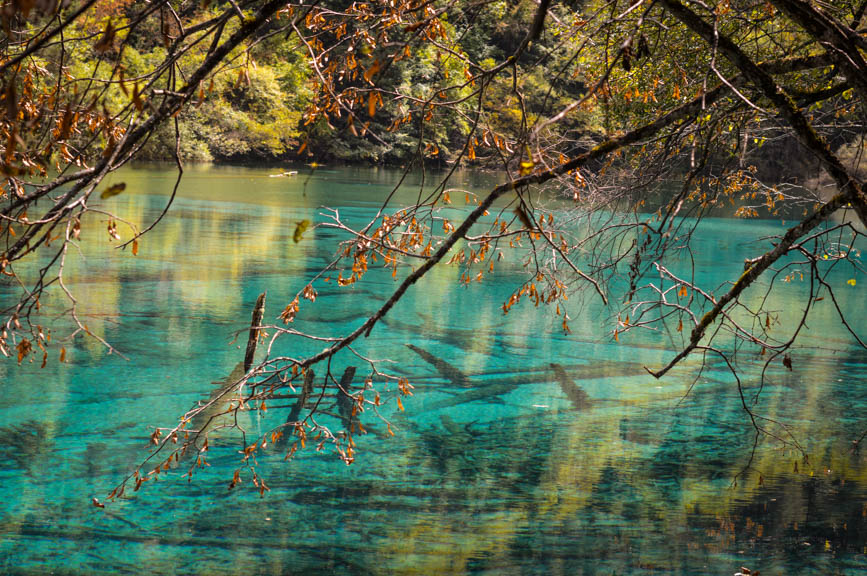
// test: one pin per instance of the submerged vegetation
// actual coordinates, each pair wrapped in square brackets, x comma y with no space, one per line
[25,445]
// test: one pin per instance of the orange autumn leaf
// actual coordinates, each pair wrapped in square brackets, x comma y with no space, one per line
[369,73]
[371,104]
[24,348]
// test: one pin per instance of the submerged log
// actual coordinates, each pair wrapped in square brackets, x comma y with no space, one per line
[446,370]
[204,420]
[542,373]
[222,391]
[253,338]
[458,431]
[345,401]
[456,337]
[579,398]
[490,393]
[490,386]
[306,391]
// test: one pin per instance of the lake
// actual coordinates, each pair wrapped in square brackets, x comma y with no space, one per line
[506,475]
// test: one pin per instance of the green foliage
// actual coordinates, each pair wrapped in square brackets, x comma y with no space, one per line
[254,109]
[250,109]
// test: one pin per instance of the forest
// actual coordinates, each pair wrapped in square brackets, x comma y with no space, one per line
[264,103]
[260,104]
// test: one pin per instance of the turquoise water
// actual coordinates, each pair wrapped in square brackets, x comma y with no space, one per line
[504,476]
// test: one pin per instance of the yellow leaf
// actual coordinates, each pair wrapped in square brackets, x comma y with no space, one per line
[850,281]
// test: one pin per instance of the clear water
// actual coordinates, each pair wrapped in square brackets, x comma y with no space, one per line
[510,479]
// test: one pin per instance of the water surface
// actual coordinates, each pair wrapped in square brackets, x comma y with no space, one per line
[508,475]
